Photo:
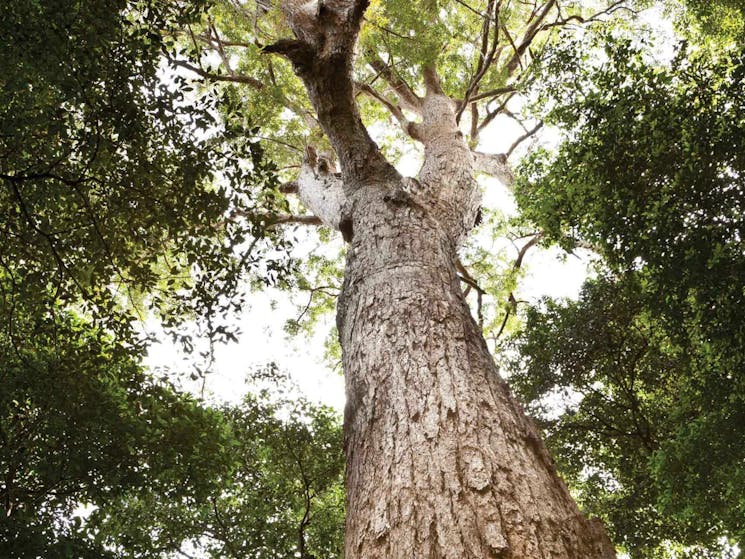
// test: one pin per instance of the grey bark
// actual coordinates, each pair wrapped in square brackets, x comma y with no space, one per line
[441,460]
[494,164]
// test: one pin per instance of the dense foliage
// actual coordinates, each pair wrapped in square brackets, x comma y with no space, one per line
[82,424]
[274,487]
[650,359]
[120,190]
[108,172]
[100,460]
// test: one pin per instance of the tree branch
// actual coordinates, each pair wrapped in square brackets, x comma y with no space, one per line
[321,55]
[494,164]
[409,100]
[487,55]
[511,301]
[248,80]
[320,189]
[521,139]
[395,110]
[528,37]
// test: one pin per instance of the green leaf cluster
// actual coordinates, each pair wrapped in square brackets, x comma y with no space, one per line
[641,383]
[119,185]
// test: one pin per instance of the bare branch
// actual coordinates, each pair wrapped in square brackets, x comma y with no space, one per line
[494,113]
[511,300]
[248,80]
[275,219]
[469,280]
[296,219]
[521,139]
[403,91]
[493,93]
[528,37]
[221,49]
[395,110]
[613,8]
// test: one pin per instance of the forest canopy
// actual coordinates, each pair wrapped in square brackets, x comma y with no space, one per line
[151,157]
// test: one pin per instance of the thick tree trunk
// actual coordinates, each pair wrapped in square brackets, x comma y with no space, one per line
[441,460]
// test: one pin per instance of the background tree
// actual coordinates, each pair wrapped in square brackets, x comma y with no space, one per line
[109,175]
[100,460]
[116,195]
[649,360]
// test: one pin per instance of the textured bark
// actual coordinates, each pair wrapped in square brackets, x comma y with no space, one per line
[441,460]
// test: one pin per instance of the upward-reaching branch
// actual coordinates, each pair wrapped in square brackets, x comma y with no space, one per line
[409,100]
[321,55]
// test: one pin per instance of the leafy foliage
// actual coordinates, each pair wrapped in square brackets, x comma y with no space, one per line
[274,487]
[109,172]
[650,358]
[125,192]
[81,423]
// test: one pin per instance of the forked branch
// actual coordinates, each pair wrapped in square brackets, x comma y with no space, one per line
[321,54]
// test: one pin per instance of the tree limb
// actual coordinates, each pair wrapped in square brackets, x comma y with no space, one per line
[320,189]
[409,100]
[494,164]
[521,139]
[248,80]
[395,110]
[528,36]
[511,301]
[321,55]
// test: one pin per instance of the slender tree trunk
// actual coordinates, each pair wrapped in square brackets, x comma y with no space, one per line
[441,460]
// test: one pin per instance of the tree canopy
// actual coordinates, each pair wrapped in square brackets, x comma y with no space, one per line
[649,359]
[118,189]
[148,149]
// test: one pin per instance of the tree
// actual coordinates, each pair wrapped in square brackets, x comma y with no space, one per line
[81,423]
[650,357]
[108,188]
[441,460]
[274,487]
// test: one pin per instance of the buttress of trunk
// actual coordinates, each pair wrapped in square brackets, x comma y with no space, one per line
[441,460]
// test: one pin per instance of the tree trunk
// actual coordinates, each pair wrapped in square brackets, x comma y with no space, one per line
[441,460]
